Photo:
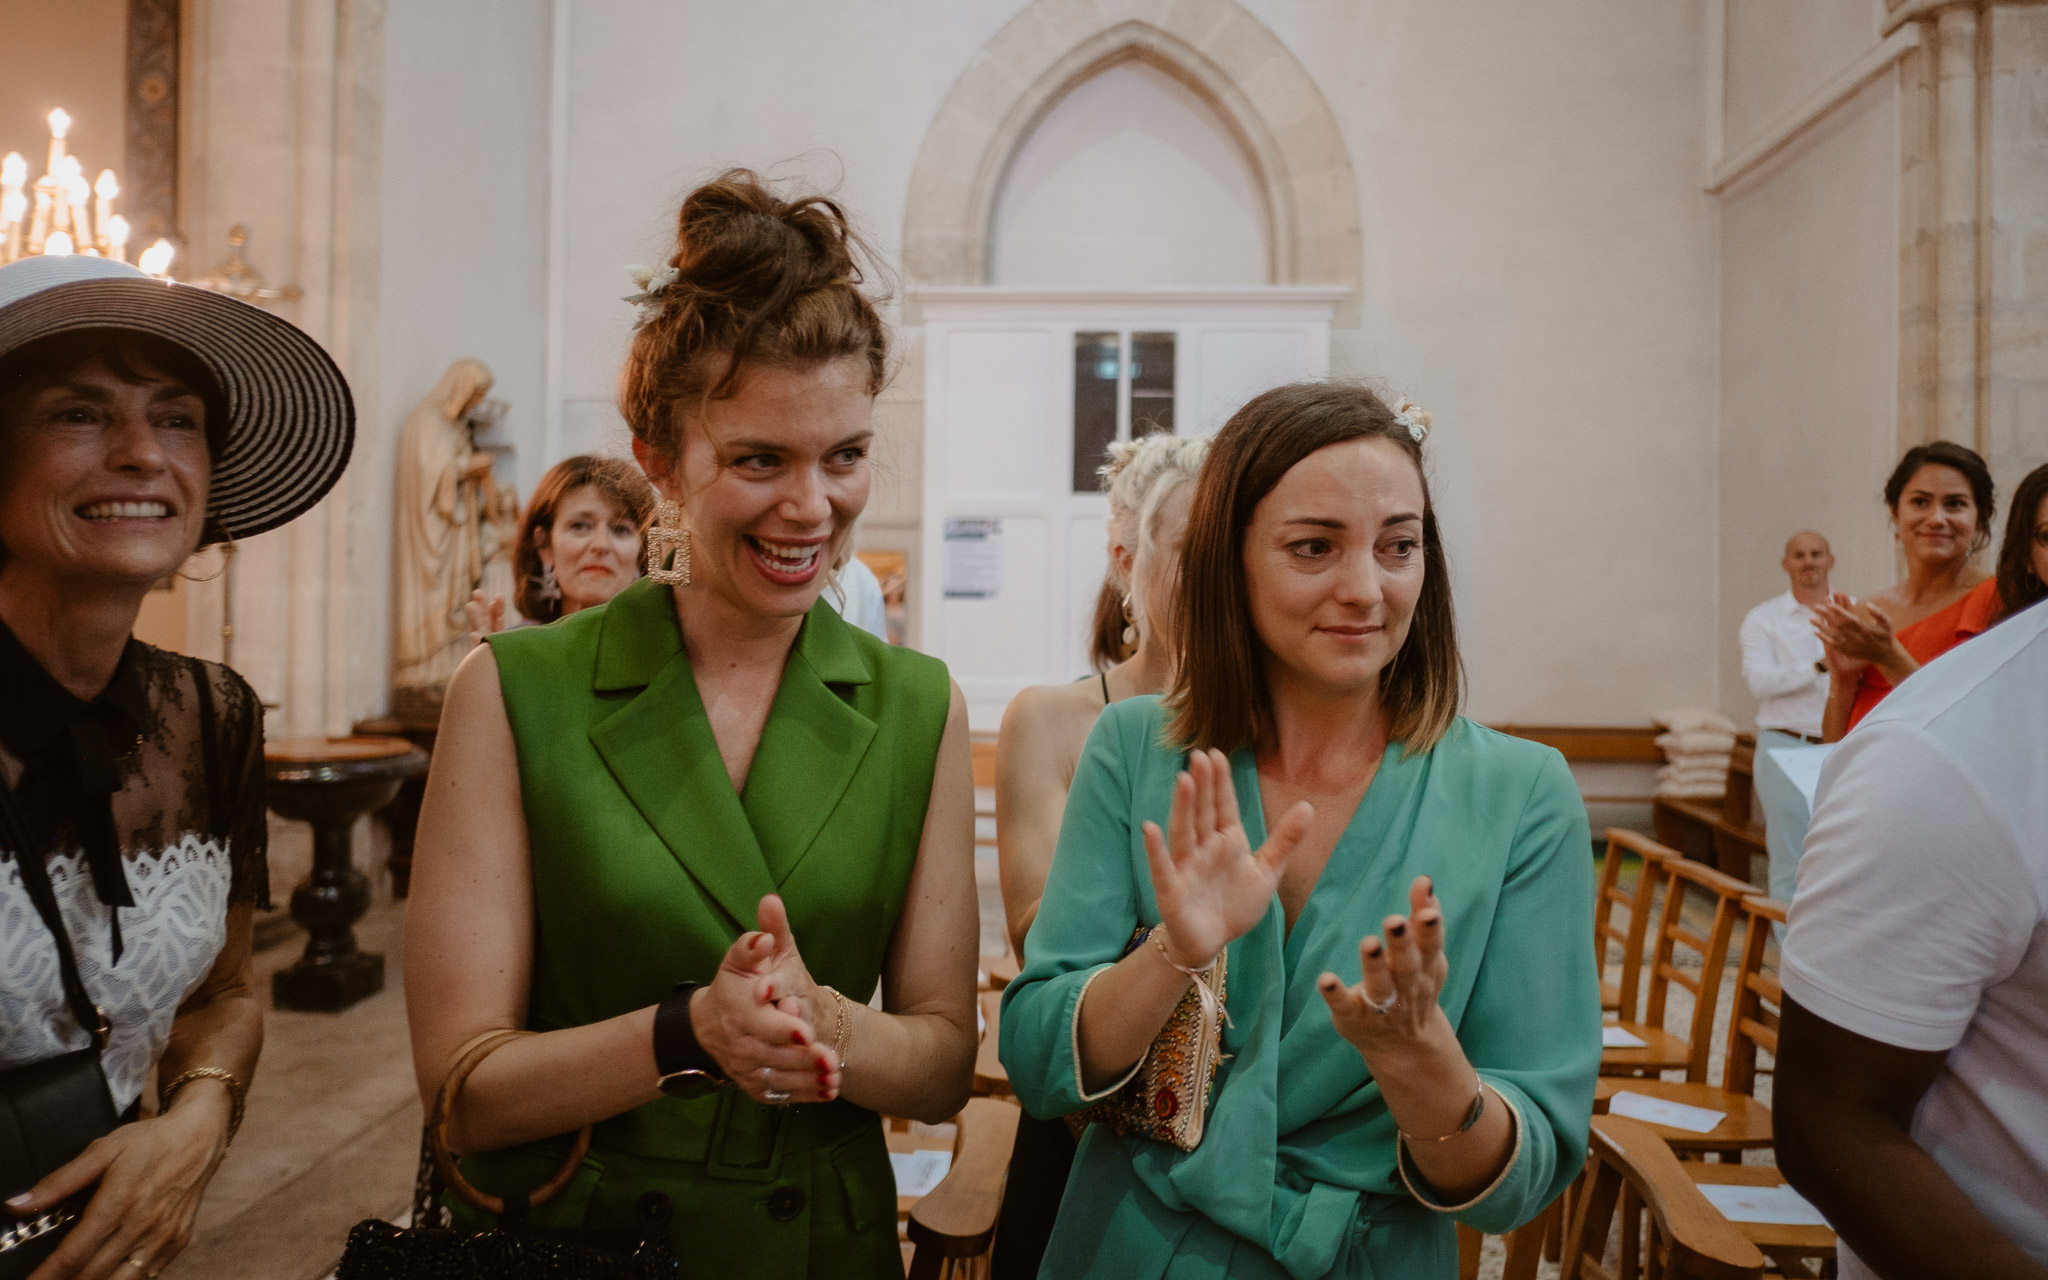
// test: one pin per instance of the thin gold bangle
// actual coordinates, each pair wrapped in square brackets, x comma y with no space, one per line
[1472,1114]
[842,1041]
[169,1094]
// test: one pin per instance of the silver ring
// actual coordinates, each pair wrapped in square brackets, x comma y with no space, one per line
[1381,1007]
[775,1097]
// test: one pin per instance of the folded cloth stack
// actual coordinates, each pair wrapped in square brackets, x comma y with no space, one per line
[1696,744]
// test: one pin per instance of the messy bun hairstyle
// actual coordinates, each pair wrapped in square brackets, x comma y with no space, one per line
[1139,476]
[758,280]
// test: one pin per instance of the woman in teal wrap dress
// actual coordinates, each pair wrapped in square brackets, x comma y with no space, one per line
[683,836]
[1374,1091]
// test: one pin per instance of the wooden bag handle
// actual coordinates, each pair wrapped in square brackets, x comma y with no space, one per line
[437,1131]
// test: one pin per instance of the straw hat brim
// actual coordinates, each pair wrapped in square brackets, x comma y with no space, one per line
[291,421]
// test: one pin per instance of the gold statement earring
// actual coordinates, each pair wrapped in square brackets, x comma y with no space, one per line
[668,535]
[1130,623]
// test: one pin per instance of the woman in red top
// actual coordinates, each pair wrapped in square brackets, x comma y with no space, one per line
[1941,501]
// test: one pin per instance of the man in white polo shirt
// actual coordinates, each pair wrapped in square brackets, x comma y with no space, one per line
[1911,1100]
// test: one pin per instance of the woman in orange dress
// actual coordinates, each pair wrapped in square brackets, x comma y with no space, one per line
[1941,501]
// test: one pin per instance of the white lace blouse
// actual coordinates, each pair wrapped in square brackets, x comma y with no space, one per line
[188,822]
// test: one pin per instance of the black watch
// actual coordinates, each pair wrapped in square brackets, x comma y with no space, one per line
[685,1069]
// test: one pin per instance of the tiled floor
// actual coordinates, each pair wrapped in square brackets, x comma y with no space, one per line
[331,1136]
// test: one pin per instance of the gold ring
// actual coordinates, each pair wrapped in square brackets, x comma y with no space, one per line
[137,1263]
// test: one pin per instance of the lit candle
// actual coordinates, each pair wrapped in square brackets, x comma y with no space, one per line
[117,238]
[156,260]
[39,226]
[58,245]
[60,124]
[103,209]
[13,171]
[76,192]
[13,205]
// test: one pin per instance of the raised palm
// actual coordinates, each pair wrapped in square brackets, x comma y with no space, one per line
[1210,885]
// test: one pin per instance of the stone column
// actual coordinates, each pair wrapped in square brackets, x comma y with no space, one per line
[1973,225]
[282,132]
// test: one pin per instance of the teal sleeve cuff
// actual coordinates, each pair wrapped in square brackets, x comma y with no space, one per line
[1517,1194]
[1039,1045]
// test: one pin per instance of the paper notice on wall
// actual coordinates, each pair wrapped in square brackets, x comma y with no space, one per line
[917,1172]
[1779,1205]
[974,559]
[1672,1115]
[1616,1038]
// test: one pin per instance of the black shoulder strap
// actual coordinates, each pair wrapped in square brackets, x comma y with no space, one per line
[35,878]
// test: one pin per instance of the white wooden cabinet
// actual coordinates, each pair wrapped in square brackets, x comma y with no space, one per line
[999,444]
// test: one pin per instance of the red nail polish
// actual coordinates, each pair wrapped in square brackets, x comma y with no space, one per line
[799,1036]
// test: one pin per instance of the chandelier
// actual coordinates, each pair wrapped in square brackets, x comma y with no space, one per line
[69,215]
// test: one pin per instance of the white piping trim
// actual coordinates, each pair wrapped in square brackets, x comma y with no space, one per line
[1074,1033]
[1402,1158]
[1817,105]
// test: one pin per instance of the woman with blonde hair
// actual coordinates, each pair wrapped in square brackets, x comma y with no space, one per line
[1308,781]
[1044,727]
[674,845]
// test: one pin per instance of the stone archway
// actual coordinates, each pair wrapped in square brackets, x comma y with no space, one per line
[1215,47]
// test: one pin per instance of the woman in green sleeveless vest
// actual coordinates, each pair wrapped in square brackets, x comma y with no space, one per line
[685,835]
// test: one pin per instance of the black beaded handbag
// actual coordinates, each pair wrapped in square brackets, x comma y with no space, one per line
[50,1111]
[432,1248]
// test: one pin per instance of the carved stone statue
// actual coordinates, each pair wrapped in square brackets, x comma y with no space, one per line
[455,525]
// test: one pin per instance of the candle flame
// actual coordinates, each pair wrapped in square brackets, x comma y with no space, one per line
[60,123]
[13,170]
[108,185]
[13,205]
[75,188]
[117,231]
[156,260]
[58,245]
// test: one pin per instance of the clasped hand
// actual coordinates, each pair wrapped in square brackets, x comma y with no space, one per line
[758,1017]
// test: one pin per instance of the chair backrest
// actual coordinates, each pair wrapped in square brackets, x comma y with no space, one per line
[1753,1019]
[1636,899]
[1684,880]
[1668,1229]
[957,1221]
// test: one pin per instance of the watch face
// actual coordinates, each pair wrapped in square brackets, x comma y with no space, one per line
[689,1084]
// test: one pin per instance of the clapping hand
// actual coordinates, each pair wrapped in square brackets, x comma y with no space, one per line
[1394,1003]
[1211,887]
[755,1018]
[486,617]
[1855,634]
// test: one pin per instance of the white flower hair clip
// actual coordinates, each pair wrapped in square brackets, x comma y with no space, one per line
[1414,417]
[652,281]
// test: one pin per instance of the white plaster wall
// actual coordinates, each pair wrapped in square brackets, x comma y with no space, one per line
[1540,272]
[463,265]
[1778,53]
[1809,350]
[1130,181]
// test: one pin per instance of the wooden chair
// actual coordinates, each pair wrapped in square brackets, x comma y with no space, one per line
[1752,1026]
[991,1078]
[952,1229]
[1662,1051]
[1636,900]
[1668,1229]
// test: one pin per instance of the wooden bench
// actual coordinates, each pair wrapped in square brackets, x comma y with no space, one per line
[1720,832]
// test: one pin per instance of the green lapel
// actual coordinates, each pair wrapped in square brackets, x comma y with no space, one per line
[658,745]
[812,745]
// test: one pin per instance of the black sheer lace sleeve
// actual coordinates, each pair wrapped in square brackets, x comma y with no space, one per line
[238,784]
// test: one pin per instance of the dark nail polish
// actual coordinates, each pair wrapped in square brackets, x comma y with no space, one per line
[1397,930]
[1372,948]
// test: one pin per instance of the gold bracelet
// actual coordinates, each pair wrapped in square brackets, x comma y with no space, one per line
[169,1093]
[1472,1114]
[844,1038]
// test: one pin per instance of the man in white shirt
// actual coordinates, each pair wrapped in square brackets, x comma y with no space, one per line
[1783,663]
[1911,1100]
[1782,660]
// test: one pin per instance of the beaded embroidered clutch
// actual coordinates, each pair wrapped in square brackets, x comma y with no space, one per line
[1167,1099]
